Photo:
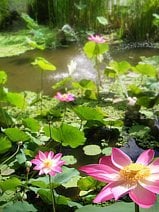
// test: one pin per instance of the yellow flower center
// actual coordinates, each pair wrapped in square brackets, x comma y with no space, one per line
[47,163]
[134,172]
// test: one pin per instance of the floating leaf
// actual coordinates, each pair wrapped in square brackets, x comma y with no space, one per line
[69,159]
[107,151]
[92,150]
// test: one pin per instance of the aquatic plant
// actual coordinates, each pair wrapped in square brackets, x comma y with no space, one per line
[66,97]
[48,163]
[83,129]
[139,179]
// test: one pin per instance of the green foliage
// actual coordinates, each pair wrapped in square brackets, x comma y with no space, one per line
[92,49]
[32,124]
[87,183]
[82,130]
[31,24]
[88,113]
[16,99]
[5,145]
[67,135]
[10,184]
[146,69]
[44,64]
[92,150]
[17,206]
[3,77]
[86,87]
[16,135]
[117,68]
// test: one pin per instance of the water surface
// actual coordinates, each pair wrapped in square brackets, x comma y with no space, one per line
[22,75]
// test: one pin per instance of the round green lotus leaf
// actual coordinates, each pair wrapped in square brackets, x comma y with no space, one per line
[92,150]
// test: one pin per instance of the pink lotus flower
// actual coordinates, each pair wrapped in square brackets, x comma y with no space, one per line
[140,179]
[96,38]
[48,163]
[67,97]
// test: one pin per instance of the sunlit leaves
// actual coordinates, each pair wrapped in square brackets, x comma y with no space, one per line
[16,99]
[44,64]
[6,119]
[71,136]
[87,183]
[5,145]
[88,113]
[87,87]
[16,135]
[34,45]
[117,68]
[67,135]
[92,150]
[62,83]
[10,184]
[93,49]
[31,24]
[146,69]
[3,77]
[32,124]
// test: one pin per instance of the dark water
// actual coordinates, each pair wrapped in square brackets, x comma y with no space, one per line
[24,76]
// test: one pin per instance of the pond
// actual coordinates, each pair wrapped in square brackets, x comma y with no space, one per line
[22,75]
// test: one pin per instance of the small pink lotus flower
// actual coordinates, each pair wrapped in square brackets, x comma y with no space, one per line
[140,179]
[67,97]
[96,38]
[48,163]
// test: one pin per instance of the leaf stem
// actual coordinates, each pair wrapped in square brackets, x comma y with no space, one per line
[136,208]
[52,195]
[17,150]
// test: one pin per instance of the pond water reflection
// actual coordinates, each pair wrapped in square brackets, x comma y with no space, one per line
[24,76]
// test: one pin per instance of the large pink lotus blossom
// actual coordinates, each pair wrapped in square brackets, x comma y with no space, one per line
[67,97]
[97,38]
[48,163]
[140,179]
